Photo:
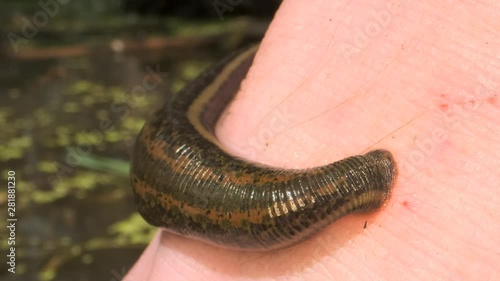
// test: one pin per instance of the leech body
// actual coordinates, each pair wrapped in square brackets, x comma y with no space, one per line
[184,182]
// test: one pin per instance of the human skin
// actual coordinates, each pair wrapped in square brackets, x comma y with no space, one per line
[423,82]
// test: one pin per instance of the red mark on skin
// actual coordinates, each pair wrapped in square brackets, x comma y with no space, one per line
[443,107]
[406,204]
[491,100]
[472,103]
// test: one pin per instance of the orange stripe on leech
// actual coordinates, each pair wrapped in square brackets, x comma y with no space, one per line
[236,217]
[156,151]
[216,217]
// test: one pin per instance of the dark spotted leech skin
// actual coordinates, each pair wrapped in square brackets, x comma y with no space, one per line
[184,182]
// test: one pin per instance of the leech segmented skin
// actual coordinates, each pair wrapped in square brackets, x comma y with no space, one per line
[184,182]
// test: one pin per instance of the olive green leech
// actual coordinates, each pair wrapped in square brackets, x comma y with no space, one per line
[186,183]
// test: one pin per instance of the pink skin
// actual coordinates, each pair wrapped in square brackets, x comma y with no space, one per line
[337,78]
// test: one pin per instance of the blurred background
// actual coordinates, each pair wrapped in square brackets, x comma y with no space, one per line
[73,99]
